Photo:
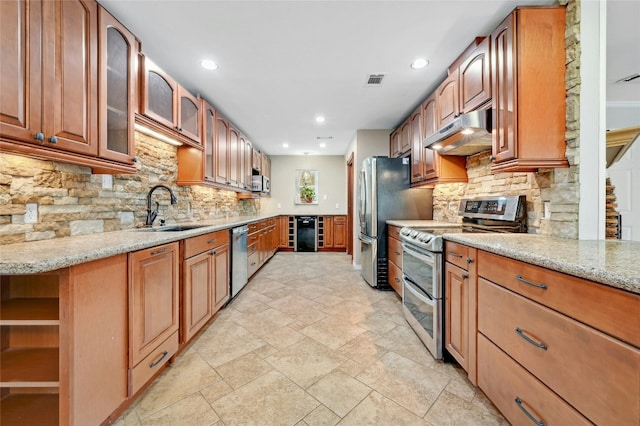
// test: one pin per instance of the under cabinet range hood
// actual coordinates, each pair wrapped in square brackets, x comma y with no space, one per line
[468,134]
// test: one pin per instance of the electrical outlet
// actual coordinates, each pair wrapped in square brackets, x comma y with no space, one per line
[337,206]
[279,205]
[107,182]
[31,215]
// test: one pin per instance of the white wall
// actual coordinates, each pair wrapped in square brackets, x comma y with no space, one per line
[367,143]
[332,185]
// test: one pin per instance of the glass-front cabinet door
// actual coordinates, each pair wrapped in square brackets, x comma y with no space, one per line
[159,94]
[117,87]
[189,115]
[209,141]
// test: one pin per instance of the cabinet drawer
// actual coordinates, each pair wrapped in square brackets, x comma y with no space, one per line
[152,363]
[394,232]
[457,254]
[253,263]
[578,298]
[576,361]
[395,277]
[395,251]
[504,381]
[252,248]
[202,243]
[253,227]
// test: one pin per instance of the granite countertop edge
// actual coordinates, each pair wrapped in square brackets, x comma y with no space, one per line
[536,254]
[48,255]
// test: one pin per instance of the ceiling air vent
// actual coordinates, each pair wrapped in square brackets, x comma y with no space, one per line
[629,78]
[375,79]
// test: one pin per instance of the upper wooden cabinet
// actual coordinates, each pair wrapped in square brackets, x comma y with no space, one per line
[400,140]
[528,72]
[222,152]
[448,100]
[234,157]
[418,153]
[49,82]
[118,50]
[473,68]
[166,102]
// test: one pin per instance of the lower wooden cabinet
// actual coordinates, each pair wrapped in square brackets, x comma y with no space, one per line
[332,233]
[395,259]
[60,339]
[262,243]
[153,309]
[205,287]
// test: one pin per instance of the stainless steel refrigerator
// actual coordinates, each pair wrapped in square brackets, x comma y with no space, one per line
[385,194]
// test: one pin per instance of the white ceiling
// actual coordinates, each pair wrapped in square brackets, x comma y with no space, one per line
[281,63]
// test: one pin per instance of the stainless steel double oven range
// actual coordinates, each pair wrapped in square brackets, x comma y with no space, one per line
[423,263]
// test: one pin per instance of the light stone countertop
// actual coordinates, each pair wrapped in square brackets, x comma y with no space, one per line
[49,255]
[424,224]
[611,262]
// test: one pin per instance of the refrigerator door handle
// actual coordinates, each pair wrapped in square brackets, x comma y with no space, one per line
[363,197]
[366,239]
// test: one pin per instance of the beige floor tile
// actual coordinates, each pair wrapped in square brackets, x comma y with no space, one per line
[349,310]
[461,388]
[243,370]
[225,343]
[363,349]
[267,321]
[189,374]
[377,410]
[192,410]
[271,399]
[321,416]
[328,299]
[128,418]
[299,308]
[333,332]
[284,337]
[306,362]
[216,390]
[339,392]
[449,409]
[406,382]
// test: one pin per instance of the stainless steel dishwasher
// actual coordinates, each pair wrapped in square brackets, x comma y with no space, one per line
[238,259]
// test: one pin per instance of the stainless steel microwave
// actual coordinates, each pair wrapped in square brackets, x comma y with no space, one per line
[260,183]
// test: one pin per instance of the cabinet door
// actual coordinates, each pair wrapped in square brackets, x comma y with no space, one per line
[242,147]
[394,144]
[256,160]
[340,232]
[430,117]
[159,94]
[221,276]
[457,313]
[405,137]
[153,299]
[20,70]
[209,135]
[503,57]
[234,156]
[417,156]
[328,231]
[475,78]
[118,51]
[189,115]
[222,151]
[248,166]
[448,102]
[69,81]
[197,293]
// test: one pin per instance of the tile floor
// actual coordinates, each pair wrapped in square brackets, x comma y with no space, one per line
[308,342]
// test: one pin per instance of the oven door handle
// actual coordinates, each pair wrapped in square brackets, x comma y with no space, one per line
[422,295]
[427,258]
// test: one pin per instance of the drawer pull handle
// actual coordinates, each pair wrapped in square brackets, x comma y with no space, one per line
[527,413]
[522,280]
[454,254]
[153,364]
[396,280]
[212,241]
[396,253]
[162,250]
[530,340]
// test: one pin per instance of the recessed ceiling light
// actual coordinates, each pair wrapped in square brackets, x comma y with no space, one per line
[419,63]
[319,119]
[323,145]
[208,64]
[285,145]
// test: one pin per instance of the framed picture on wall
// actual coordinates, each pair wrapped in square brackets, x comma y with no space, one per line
[306,187]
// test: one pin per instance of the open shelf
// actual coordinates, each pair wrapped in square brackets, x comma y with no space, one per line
[30,311]
[29,367]
[29,409]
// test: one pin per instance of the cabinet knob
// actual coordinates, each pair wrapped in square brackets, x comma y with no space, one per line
[178,128]
[53,139]
[39,136]
[469,260]
[492,158]
[465,276]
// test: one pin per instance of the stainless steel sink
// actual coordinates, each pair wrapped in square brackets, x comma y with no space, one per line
[173,228]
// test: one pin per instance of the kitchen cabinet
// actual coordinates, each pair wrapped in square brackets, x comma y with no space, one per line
[332,232]
[262,243]
[222,152]
[395,259]
[256,161]
[543,331]
[427,166]
[49,83]
[234,156]
[63,332]
[205,286]
[118,50]
[167,103]
[472,74]
[400,140]
[153,311]
[460,305]
[286,232]
[528,90]
[245,167]
[448,100]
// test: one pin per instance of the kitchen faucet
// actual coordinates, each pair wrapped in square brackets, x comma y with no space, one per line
[151,215]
